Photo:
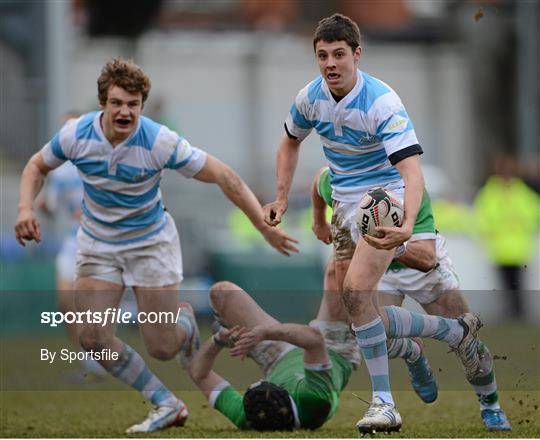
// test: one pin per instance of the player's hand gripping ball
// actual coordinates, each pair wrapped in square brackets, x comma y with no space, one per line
[378,208]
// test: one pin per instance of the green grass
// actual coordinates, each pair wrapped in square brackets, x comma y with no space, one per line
[108,414]
[36,402]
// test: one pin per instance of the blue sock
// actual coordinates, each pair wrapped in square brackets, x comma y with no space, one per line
[133,371]
[371,339]
[403,323]
[404,348]
[185,323]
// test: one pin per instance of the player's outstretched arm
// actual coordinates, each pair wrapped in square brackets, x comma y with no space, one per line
[303,336]
[320,226]
[201,367]
[236,190]
[411,172]
[287,159]
[32,178]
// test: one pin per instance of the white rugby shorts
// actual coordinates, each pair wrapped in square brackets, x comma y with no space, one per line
[153,262]
[423,287]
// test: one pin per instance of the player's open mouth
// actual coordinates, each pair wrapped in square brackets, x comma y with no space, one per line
[123,122]
[333,76]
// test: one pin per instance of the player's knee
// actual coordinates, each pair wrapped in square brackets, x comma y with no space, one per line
[163,352]
[349,298]
[92,339]
[450,304]
[219,292]
[354,299]
[223,287]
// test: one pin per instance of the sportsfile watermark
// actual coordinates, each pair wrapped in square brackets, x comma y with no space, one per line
[39,355]
[109,316]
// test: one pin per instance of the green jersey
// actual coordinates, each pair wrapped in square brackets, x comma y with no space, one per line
[324,187]
[315,392]
[423,227]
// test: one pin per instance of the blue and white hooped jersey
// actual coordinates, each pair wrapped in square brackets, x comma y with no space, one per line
[122,198]
[64,193]
[359,133]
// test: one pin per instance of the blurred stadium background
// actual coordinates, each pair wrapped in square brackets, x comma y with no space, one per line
[224,74]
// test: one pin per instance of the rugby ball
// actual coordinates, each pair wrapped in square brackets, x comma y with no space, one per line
[378,208]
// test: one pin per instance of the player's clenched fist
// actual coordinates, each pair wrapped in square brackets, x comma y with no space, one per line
[322,231]
[273,212]
[27,226]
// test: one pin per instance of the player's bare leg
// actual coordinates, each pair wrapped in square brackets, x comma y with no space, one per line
[451,304]
[332,319]
[167,338]
[233,306]
[97,296]
[410,349]
[65,297]
[332,307]
[360,283]
[66,303]
[360,297]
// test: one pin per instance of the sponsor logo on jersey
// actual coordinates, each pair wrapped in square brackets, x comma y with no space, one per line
[367,139]
[140,176]
[396,124]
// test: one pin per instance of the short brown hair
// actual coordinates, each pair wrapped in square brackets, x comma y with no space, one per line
[125,74]
[338,27]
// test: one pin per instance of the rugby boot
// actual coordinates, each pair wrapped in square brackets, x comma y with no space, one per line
[380,417]
[468,348]
[161,417]
[423,380]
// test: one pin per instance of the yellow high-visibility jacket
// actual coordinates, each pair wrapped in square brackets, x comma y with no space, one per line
[507,218]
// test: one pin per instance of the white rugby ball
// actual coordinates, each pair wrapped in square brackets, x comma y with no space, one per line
[378,207]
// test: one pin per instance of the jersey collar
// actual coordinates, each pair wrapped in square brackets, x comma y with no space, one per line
[295,413]
[351,95]
[99,130]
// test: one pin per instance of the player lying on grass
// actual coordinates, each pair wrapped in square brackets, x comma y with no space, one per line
[304,373]
[305,367]
[436,290]
[126,237]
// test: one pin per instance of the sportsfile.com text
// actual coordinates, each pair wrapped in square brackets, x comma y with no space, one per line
[108,316]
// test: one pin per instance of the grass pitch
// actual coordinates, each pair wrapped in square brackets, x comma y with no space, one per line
[36,402]
[108,414]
